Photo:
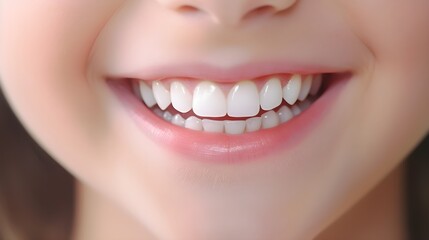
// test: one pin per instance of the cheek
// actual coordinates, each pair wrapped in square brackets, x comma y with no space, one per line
[43,55]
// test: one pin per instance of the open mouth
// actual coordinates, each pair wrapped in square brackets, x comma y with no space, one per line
[229,121]
[242,107]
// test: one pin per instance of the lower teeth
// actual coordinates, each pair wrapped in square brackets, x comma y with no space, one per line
[267,120]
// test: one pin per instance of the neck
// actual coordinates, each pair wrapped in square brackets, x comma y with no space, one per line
[379,215]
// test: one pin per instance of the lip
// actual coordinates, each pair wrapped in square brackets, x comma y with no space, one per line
[223,148]
[252,70]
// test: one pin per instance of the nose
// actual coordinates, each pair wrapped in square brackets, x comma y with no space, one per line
[231,12]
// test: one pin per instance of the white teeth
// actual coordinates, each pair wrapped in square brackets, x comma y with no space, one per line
[305,87]
[235,127]
[285,114]
[178,120]
[243,100]
[253,124]
[212,126]
[209,100]
[181,98]
[271,95]
[296,110]
[315,86]
[270,119]
[292,89]
[167,116]
[161,94]
[194,123]
[147,94]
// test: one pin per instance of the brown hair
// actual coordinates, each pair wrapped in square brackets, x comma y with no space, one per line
[37,195]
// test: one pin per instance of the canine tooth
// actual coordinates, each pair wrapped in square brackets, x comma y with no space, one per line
[292,89]
[146,94]
[167,116]
[270,119]
[194,123]
[161,94]
[181,98]
[243,100]
[213,126]
[317,83]
[209,100]
[305,87]
[235,127]
[178,120]
[285,114]
[253,124]
[271,95]
[296,110]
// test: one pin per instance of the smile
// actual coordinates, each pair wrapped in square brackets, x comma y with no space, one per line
[229,121]
[246,106]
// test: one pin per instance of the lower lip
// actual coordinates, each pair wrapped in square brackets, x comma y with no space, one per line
[223,148]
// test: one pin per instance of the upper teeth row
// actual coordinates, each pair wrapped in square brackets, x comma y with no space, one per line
[243,100]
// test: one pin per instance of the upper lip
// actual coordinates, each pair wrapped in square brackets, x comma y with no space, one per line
[246,71]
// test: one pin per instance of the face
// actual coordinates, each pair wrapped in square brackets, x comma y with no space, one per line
[92,81]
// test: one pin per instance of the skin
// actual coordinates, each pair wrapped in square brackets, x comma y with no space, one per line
[52,57]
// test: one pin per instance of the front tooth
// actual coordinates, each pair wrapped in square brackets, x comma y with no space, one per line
[213,126]
[147,94]
[317,83]
[209,100]
[285,114]
[194,123]
[161,94]
[305,87]
[271,95]
[178,120]
[243,100]
[270,119]
[292,89]
[235,127]
[181,98]
[253,124]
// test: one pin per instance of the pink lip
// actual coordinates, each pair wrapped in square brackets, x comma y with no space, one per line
[224,148]
[234,74]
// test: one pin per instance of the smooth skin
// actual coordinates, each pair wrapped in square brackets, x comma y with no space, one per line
[54,56]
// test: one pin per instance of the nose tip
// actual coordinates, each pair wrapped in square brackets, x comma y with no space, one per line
[230,12]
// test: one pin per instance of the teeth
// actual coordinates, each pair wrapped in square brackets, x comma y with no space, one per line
[235,127]
[194,123]
[270,119]
[305,88]
[161,94]
[212,126]
[181,98]
[209,100]
[167,116]
[285,114]
[243,100]
[253,124]
[271,95]
[296,110]
[315,86]
[147,94]
[178,120]
[292,89]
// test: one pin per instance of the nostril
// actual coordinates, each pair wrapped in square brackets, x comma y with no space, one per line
[260,11]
